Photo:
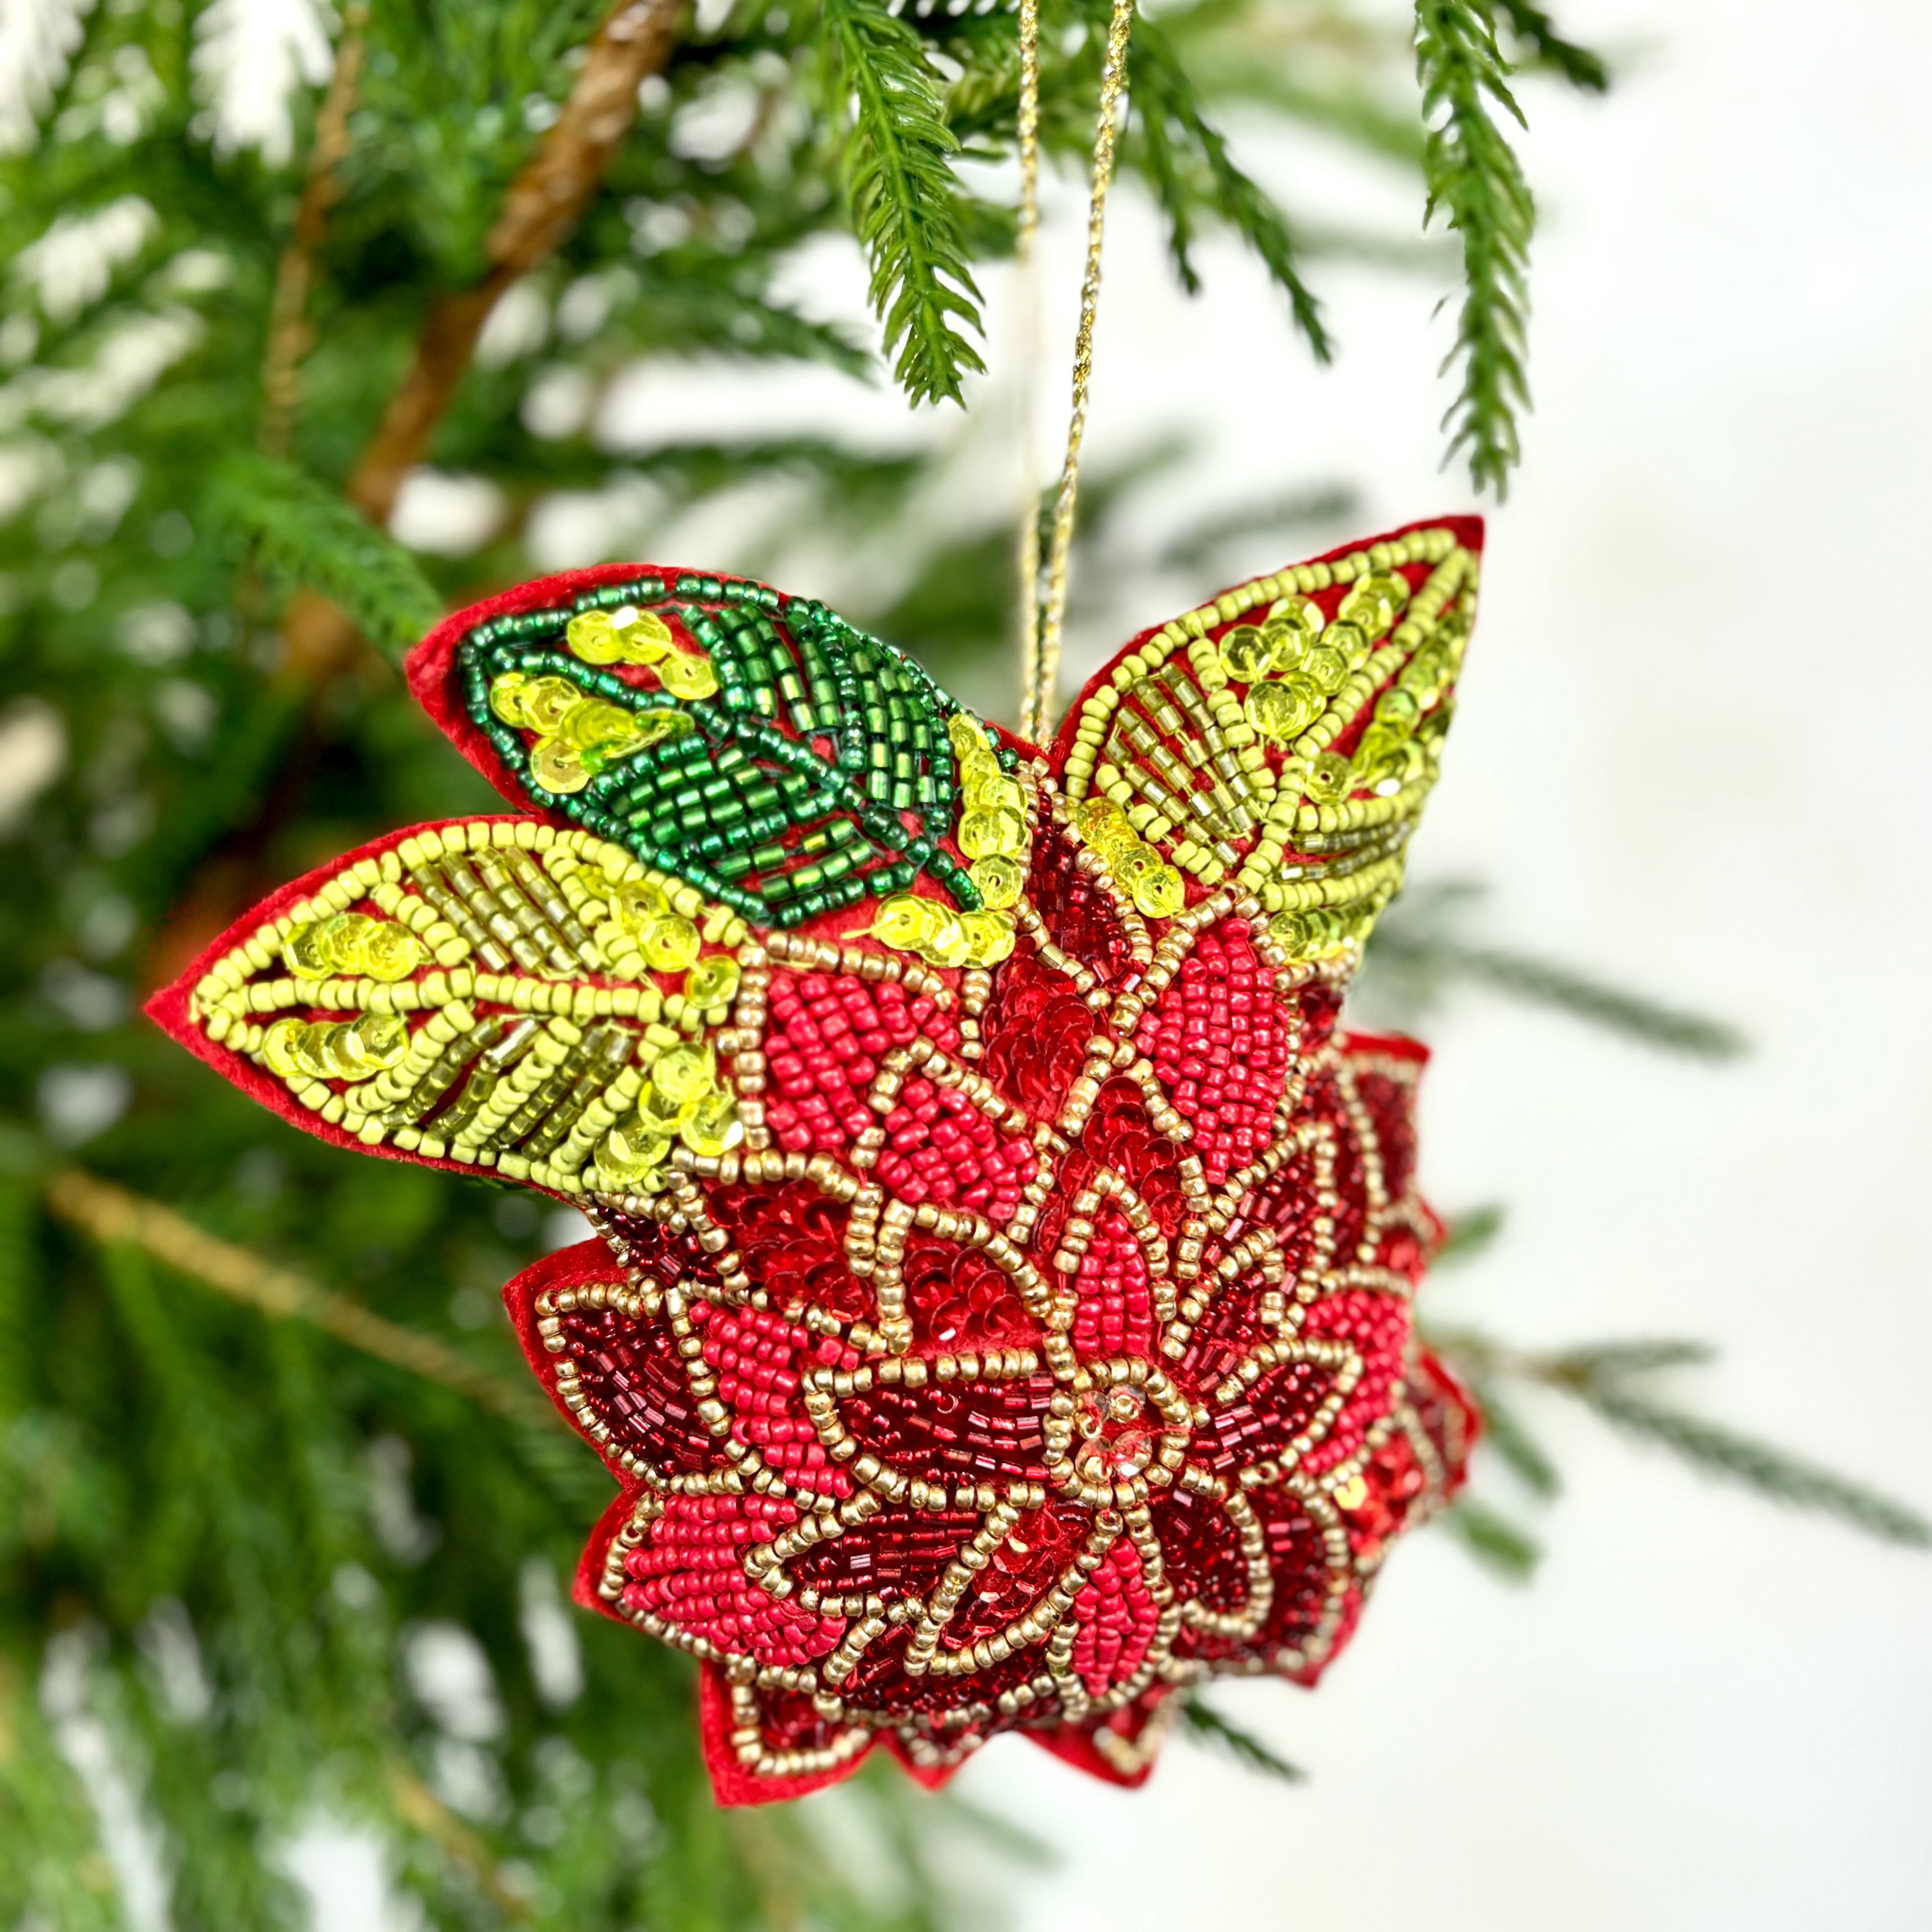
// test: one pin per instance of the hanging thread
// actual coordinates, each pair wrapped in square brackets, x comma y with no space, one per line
[1030,703]
[1041,668]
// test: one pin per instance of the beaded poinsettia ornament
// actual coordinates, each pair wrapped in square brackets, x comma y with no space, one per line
[1001,1317]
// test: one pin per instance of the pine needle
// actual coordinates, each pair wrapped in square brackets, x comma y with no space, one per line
[112,1216]
[1544,46]
[303,536]
[1186,161]
[1494,1541]
[1207,1726]
[1471,1235]
[1418,962]
[905,201]
[1504,1431]
[1475,181]
[1772,1471]
[1607,1377]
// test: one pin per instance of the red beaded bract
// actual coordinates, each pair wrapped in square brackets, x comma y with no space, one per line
[994,1326]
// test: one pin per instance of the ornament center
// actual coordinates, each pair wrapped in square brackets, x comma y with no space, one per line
[1118,1435]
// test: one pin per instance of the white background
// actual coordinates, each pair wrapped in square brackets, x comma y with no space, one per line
[1689,754]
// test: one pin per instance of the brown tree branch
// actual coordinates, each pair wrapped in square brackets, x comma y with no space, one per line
[542,206]
[290,335]
[108,1214]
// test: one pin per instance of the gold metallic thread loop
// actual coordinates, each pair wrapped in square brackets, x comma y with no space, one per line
[1041,629]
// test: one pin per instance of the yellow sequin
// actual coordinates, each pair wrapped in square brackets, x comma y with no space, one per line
[1001,878]
[506,696]
[546,702]
[947,944]
[905,921]
[669,943]
[1159,891]
[372,1044]
[659,1111]
[628,1152]
[712,982]
[1247,654]
[596,724]
[307,954]
[989,938]
[556,766]
[1374,603]
[1326,670]
[994,792]
[644,637]
[1326,777]
[687,676]
[390,951]
[592,636]
[682,1073]
[1095,813]
[1300,613]
[711,1127]
[1283,709]
[1398,710]
[637,901]
[983,833]
[278,1048]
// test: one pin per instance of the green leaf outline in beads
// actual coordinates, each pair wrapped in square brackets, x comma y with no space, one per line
[828,679]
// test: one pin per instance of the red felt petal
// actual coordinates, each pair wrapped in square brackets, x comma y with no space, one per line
[734,1782]
[1079,1744]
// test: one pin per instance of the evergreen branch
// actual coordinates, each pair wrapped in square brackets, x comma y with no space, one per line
[905,203]
[1770,1470]
[1600,1375]
[1545,47]
[1426,955]
[1170,123]
[1207,1726]
[289,334]
[1470,1234]
[542,206]
[50,1851]
[1493,1540]
[422,1810]
[1597,1361]
[305,538]
[1474,178]
[110,1215]
[1503,1430]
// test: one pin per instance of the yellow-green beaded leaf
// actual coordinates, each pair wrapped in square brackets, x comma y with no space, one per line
[494,994]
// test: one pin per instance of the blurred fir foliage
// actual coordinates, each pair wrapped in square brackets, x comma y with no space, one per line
[286,1555]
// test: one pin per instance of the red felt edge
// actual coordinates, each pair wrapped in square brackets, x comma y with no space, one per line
[1396,1045]
[564,1267]
[1452,1387]
[1076,1747]
[731,1783]
[428,665]
[1467,531]
[168,1008]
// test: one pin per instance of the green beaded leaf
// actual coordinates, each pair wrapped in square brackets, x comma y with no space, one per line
[809,770]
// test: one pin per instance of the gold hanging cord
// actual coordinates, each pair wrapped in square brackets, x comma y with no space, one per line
[1040,628]
[1029,356]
